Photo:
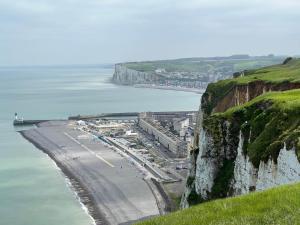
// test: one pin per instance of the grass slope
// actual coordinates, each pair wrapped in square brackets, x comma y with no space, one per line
[268,122]
[283,100]
[273,74]
[289,72]
[280,206]
[232,64]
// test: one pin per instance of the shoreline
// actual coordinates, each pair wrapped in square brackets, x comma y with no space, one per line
[81,192]
[172,88]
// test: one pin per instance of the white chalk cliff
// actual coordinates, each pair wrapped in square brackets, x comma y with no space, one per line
[246,177]
[245,140]
[126,76]
[270,174]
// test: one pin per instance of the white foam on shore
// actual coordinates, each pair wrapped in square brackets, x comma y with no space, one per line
[85,209]
[73,190]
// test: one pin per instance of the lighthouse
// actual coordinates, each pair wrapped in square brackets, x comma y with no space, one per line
[18,121]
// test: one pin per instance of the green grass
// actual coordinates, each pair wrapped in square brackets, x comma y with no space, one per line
[204,64]
[278,206]
[283,100]
[248,65]
[267,122]
[278,73]
[273,74]
[289,72]
[272,119]
[176,200]
[172,66]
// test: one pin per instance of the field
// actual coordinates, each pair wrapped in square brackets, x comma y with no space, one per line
[222,64]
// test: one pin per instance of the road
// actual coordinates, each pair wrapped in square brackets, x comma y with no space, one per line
[119,193]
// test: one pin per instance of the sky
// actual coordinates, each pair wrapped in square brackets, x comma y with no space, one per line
[49,32]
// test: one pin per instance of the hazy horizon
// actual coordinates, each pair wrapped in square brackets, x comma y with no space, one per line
[64,32]
[112,64]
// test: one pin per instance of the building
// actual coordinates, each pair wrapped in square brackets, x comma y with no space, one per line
[163,136]
[181,125]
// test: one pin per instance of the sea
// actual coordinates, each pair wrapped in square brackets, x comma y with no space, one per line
[33,191]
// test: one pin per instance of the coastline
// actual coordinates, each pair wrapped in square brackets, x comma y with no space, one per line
[173,88]
[103,180]
[78,187]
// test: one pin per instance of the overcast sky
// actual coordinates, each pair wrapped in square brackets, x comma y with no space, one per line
[39,32]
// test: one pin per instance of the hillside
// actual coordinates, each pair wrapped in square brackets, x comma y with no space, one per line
[227,93]
[273,120]
[247,134]
[188,72]
[247,141]
[278,206]
[205,64]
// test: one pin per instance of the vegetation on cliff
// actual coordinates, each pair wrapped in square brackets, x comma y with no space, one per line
[268,122]
[275,206]
[276,75]
[223,64]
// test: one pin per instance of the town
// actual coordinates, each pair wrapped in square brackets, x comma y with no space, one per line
[146,152]
[158,142]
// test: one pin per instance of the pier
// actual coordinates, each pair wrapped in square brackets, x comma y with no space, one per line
[126,114]
[22,122]
[103,115]
[27,122]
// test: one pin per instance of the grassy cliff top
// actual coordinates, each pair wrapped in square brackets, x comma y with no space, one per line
[268,122]
[289,72]
[281,100]
[279,206]
[273,74]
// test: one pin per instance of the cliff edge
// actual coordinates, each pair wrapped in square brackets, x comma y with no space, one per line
[247,134]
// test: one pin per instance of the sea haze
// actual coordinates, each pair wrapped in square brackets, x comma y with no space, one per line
[32,189]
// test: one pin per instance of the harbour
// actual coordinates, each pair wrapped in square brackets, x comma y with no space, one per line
[56,94]
[80,146]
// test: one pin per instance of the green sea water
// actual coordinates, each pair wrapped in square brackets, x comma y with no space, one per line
[33,191]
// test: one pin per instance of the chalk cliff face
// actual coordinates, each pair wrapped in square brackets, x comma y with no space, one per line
[285,170]
[232,173]
[248,147]
[126,76]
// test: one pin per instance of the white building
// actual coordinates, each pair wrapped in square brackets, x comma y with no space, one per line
[181,125]
[163,136]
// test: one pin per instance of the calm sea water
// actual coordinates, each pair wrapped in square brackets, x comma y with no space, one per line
[32,190]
